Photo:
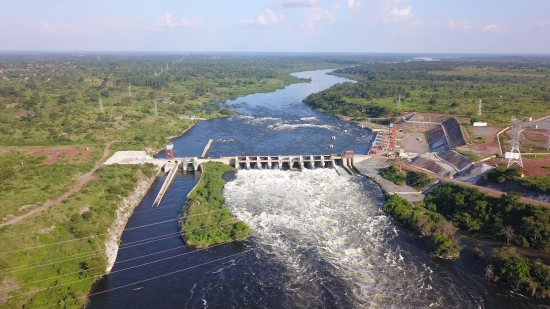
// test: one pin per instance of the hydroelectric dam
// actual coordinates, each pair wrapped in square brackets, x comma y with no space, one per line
[170,164]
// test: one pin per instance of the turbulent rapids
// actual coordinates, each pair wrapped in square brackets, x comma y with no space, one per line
[329,234]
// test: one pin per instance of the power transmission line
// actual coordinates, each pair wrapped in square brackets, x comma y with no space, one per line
[129,245]
[156,277]
[124,261]
[87,237]
[99,276]
[135,212]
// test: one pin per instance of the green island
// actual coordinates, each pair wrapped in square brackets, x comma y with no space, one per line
[205,221]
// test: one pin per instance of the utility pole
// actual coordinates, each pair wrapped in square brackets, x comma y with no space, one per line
[156,109]
[101,107]
[514,156]
[479,108]
[129,91]
[399,102]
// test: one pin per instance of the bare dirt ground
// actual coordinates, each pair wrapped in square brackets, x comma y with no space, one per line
[489,147]
[485,131]
[531,166]
[81,182]
[414,143]
[532,137]
[53,155]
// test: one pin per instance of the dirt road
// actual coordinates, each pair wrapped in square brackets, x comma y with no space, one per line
[81,182]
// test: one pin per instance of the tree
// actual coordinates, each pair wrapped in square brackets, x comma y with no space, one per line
[508,232]
[489,272]
[511,267]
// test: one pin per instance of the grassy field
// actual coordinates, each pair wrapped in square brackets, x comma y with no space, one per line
[55,256]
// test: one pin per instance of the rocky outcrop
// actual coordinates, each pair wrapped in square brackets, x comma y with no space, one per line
[124,212]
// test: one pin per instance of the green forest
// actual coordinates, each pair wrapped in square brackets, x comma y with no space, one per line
[427,222]
[504,218]
[507,85]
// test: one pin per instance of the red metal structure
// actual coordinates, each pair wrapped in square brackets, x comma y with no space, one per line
[393,128]
[349,154]
[170,151]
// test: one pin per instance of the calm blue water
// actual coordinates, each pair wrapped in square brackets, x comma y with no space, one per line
[314,273]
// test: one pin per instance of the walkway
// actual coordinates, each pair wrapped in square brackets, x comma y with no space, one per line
[81,182]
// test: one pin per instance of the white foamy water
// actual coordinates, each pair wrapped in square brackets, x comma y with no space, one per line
[328,230]
[288,126]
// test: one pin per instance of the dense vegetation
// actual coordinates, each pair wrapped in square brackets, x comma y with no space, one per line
[505,217]
[393,174]
[417,180]
[520,274]
[501,174]
[508,86]
[537,183]
[205,221]
[427,222]
[62,249]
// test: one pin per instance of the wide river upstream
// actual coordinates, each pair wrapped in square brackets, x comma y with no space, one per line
[318,237]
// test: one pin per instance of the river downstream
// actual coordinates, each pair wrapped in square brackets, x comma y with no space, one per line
[319,238]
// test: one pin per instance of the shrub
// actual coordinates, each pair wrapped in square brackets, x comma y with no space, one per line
[393,174]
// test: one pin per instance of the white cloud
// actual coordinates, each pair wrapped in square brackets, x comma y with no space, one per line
[399,15]
[48,28]
[314,15]
[167,21]
[299,3]
[352,4]
[263,20]
[191,23]
[462,25]
[490,27]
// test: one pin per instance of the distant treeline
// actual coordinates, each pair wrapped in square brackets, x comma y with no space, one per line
[508,86]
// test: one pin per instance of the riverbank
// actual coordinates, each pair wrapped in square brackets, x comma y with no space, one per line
[123,213]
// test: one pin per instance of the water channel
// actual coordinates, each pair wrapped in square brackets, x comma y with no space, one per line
[319,239]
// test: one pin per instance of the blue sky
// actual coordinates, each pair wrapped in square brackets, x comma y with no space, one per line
[399,26]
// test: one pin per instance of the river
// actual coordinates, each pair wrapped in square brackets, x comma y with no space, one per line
[319,238]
